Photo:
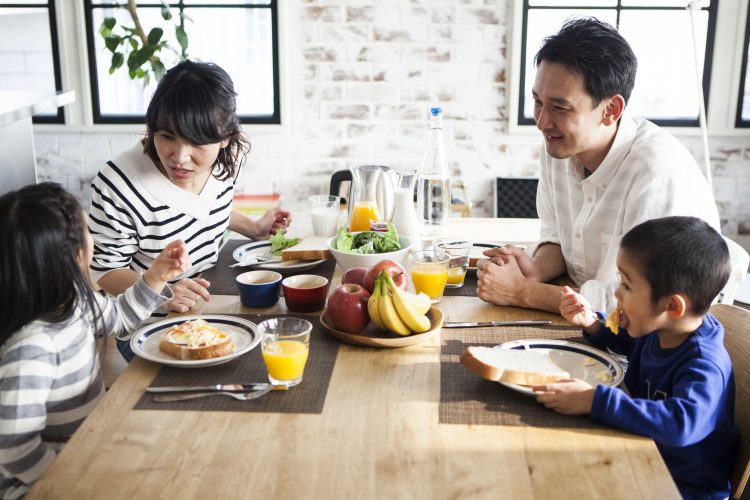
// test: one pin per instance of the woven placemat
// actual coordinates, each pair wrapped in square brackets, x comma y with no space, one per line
[307,397]
[468,399]
[222,277]
[468,290]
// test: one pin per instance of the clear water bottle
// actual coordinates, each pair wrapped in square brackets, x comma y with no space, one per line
[434,184]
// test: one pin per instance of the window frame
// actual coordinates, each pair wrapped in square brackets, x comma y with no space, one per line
[92,31]
[739,123]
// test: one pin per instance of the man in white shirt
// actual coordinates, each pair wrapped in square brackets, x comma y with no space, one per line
[602,172]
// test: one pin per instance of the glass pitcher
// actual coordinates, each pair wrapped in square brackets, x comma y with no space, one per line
[404,212]
[371,196]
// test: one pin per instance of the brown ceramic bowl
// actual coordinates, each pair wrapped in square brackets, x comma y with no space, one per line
[305,292]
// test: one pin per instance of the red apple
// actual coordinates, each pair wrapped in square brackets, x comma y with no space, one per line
[347,308]
[397,272]
[354,275]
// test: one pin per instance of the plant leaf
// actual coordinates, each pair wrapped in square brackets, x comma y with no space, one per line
[166,14]
[131,73]
[182,37]
[109,22]
[133,43]
[154,36]
[117,59]
[112,42]
[159,68]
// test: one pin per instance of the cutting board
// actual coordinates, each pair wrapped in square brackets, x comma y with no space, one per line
[310,248]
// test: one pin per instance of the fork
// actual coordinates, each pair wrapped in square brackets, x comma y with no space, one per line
[265,255]
[242,396]
[259,259]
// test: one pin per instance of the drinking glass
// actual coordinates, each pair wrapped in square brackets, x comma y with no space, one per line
[325,214]
[459,263]
[429,272]
[285,345]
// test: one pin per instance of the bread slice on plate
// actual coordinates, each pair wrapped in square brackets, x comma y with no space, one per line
[310,248]
[194,340]
[514,366]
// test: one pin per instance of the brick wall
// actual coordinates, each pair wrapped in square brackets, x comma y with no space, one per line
[360,79]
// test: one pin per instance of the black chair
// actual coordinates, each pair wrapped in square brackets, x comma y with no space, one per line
[338,178]
[516,197]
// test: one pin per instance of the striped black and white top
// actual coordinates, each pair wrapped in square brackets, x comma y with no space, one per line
[136,211]
[50,380]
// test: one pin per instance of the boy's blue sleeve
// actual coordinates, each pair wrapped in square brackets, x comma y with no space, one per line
[621,342]
[685,417]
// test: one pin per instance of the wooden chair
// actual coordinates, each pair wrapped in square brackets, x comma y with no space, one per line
[515,197]
[740,262]
[736,323]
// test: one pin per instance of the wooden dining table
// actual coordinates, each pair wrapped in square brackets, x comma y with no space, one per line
[378,436]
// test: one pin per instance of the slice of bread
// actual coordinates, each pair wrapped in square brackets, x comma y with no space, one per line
[194,340]
[310,248]
[515,366]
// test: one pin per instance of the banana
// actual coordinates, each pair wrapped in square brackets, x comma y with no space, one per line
[418,323]
[420,302]
[388,313]
[373,307]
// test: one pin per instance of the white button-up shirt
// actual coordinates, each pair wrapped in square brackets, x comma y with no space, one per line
[646,174]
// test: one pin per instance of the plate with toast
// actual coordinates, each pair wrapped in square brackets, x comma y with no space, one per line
[195,341]
[275,263]
[521,364]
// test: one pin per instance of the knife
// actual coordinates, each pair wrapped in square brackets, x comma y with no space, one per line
[473,324]
[208,388]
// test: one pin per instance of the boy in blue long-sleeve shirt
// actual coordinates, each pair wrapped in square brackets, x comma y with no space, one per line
[679,376]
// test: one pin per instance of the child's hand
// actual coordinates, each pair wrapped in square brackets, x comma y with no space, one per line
[170,263]
[569,397]
[576,309]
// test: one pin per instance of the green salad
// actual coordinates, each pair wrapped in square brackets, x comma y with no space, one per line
[368,241]
[279,242]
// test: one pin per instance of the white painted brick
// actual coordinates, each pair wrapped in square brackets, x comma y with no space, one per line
[341,72]
[324,92]
[374,92]
[440,33]
[466,33]
[346,149]
[327,14]
[319,130]
[347,112]
[724,189]
[411,33]
[388,15]
[375,52]
[357,33]
[369,130]
[325,53]
[398,73]
[479,15]
[454,73]
[398,111]
[419,54]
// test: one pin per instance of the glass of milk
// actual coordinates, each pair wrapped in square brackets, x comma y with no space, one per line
[325,214]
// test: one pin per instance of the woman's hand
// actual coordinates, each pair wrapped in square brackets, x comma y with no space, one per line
[186,294]
[576,309]
[569,397]
[274,220]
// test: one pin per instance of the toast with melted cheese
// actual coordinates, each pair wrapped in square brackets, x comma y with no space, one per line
[194,340]
[514,366]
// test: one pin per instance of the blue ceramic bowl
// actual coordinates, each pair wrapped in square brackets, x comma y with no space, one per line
[259,288]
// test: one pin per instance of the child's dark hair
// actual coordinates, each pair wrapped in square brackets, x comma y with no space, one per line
[42,232]
[196,101]
[680,255]
[595,50]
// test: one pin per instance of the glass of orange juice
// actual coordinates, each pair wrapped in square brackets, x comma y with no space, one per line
[285,345]
[429,272]
[362,213]
[458,250]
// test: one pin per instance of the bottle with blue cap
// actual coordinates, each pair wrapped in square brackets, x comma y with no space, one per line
[434,184]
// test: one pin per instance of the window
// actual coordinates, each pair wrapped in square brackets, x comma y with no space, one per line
[743,100]
[239,36]
[657,30]
[29,57]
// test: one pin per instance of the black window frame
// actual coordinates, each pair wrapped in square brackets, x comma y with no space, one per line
[91,32]
[59,116]
[738,121]
[707,62]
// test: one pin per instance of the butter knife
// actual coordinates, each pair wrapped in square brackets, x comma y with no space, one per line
[474,324]
[208,388]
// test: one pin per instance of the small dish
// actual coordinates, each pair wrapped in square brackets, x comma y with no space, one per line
[259,288]
[305,292]
[372,336]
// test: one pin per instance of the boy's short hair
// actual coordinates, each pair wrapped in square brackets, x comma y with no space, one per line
[596,51]
[680,255]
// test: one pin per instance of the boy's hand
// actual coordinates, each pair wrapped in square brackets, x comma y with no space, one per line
[569,397]
[576,309]
[170,263]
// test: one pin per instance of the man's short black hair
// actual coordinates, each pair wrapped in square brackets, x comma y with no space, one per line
[595,50]
[680,255]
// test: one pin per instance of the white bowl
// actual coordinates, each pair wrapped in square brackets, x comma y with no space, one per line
[367,260]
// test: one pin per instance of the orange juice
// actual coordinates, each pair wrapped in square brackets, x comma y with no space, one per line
[362,213]
[456,275]
[430,280]
[285,359]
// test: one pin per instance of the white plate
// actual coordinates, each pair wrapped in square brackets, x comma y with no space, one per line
[244,334]
[581,361]
[275,264]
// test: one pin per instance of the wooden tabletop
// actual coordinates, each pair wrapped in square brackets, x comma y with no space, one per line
[377,437]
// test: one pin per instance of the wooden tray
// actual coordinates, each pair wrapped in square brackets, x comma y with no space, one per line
[372,336]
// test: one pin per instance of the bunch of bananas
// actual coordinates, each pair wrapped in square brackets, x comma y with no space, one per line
[396,310]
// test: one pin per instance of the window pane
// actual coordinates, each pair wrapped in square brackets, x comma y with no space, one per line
[573,3]
[665,84]
[228,2]
[662,3]
[543,23]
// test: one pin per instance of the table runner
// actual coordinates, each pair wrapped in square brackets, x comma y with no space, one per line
[466,398]
[222,277]
[307,397]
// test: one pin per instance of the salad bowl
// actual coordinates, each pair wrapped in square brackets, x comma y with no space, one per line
[347,260]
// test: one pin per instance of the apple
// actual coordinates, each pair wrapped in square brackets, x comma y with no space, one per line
[396,270]
[354,275]
[347,308]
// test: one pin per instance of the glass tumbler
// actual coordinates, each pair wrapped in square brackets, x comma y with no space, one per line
[458,250]
[285,345]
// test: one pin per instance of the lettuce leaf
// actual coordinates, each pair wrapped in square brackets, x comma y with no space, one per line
[279,242]
[368,242]
[345,240]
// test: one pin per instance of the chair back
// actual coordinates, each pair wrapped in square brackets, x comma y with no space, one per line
[516,197]
[736,322]
[740,262]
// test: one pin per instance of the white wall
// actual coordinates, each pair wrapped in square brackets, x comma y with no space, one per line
[360,77]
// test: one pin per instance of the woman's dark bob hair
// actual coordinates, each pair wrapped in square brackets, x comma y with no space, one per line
[196,101]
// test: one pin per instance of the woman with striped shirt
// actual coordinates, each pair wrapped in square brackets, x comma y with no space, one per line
[50,376]
[177,183]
